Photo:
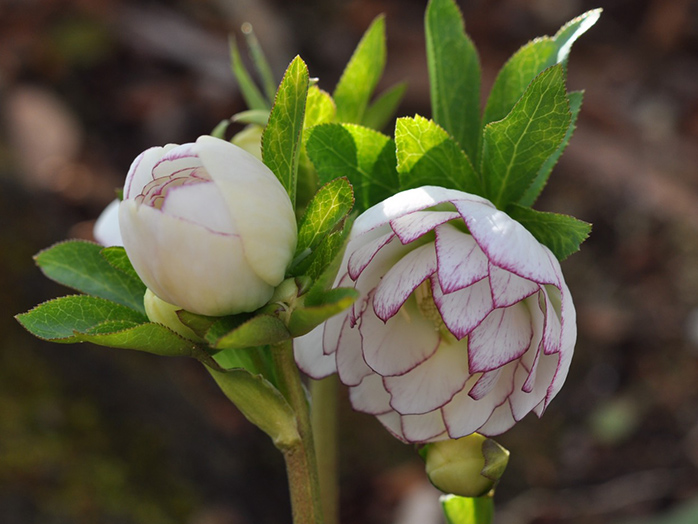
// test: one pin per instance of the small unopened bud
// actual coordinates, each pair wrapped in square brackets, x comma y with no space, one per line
[468,466]
[166,314]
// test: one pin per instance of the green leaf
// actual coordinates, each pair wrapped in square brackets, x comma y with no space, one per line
[562,234]
[63,319]
[465,510]
[380,112]
[220,129]
[261,403]
[427,155]
[515,148]
[529,61]
[331,204]
[361,74]
[258,117]
[250,92]
[281,141]
[81,266]
[259,60]
[319,307]
[150,338]
[319,109]
[364,156]
[199,324]
[260,330]
[318,262]
[454,74]
[534,190]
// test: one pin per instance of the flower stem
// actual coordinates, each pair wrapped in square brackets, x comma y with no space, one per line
[324,420]
[301,463]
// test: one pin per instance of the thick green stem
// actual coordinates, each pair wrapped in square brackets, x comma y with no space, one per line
[301,463]
[324,420]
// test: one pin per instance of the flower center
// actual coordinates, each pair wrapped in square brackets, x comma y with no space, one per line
[424,297]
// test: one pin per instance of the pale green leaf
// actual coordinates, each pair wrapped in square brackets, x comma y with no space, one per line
[259,60]
[465,510]
[250,92]
[331,204]
[383,109]
[260,330]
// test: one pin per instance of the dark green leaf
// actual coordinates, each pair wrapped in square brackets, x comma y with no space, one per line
[81,266]
[319,307]
[562,234]
[383,110]
[150,338]
[199,324]
[515,148]
[250,92]
[535,189]
[331,204]
[529,61]
[364,156]
[427,155]
[454,74]
[281,141]
[361,74]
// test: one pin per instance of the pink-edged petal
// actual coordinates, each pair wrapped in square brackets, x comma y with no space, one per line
[535,349]
[106,230]
[522,401]
[370,396]
[501,420]
[502,337]
[553,326]
[181,158]
[485,384]
[410,227]
[402,279]
[461,261]
[431,384]
[141,171]
[463,415]
[350,360]
[200,204]
[568,339]
[392,423]
[362,256]
[463,310]
[407,202]
[401,343]
[508,288]
[307,350]
[507,243]
[423,428]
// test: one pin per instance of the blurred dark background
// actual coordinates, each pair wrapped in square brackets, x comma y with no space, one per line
[93,435]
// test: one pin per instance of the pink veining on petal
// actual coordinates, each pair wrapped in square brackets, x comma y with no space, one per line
[423,428]
[509,288]
[362,257]
[461,261]
[402,279]
[463,310]
[502,337]
[307,351]
[485,384]
[552,327]
[350,360]
[500,421]
[369,396]
[410,227]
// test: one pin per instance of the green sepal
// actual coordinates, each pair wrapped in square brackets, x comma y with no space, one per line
[250,92]
[364,156]
[318,307]
[535,189]
[454,74]
[467,510]
[514,149]
[361,74]
[89,268]
[562,234]
[281,141]
[259,330]
[428,155]
[330,205]
[199,324]
[383,109]
[529,61]
[261,403]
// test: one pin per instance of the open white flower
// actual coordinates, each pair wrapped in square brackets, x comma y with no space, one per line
[464,321]
[207,226]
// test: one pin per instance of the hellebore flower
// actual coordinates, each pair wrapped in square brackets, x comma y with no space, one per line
[207,226]
[106,230]
[464,321]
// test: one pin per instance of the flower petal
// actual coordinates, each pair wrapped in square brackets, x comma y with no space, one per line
[461,261]
[350,360]
[402,279]
[501,420]
[370,396]
[465,309]
[398,345]
[106,230]
[141,171]
[423,428]
[502,337]
[410,227]
[360,258]
[509,288]
[432,383]
[201,204]
[307,350]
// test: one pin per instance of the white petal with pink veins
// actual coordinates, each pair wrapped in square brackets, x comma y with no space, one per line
[307,350]
[553,327]
[350,360]
[502,337]
[410,227]
[465,309]
[391,421]
[201,204]
[362,257]
[508,288]
[179,158]
[423,428]
[522,402]
[370,396]
[501,420]
[461,261]
[141,171]
[431,384]
[535,349]
[402,279]
[464,416]
[398,345]
[507,243]
[485,384]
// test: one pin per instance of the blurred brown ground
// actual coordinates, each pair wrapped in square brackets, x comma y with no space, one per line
[91,435]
